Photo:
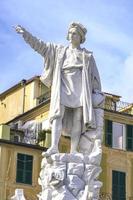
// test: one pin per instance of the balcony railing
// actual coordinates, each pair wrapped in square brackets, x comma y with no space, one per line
[43,97]
[120,106]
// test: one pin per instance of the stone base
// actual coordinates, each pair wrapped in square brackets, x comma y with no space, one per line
[70,177]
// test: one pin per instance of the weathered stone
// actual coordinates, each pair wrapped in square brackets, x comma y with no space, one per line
[62,194]
[70,176]
[75,158]
[75,168]
[75,184]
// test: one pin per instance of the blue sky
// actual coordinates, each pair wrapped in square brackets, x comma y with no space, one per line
[109,36]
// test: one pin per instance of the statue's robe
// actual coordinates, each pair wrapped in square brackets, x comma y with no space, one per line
[54,56]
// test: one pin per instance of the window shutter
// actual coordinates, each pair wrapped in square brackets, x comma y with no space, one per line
[118,185]
[129,137]
[108,133]
[24,168]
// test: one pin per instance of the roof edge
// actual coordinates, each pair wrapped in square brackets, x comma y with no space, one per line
[20,84]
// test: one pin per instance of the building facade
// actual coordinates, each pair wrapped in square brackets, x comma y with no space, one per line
[25,133]
[19,168]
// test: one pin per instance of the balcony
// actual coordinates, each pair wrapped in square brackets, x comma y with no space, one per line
[119,106]
[16,135]
[110,104]
[44,97]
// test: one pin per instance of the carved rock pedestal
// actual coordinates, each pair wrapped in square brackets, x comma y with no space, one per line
[69,177]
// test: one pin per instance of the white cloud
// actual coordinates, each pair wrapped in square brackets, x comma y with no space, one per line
[121,82]
[104,35]
[126,84]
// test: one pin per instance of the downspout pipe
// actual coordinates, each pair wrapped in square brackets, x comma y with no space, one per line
[23,84]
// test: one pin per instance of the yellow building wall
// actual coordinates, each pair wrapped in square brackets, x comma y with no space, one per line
[32,92]
[64,144]
[103,175]
[131,183]
[29,97]
[20,100]
[111,160]
[116,159]
[4,132]
[8,158]
[12,104]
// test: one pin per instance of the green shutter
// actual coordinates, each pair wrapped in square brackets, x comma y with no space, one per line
[24,168]
[108,133]
[129,137]
[118,185]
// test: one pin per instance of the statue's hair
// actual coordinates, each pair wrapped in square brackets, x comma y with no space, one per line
[80,28]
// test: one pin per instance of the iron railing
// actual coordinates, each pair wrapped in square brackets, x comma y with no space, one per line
[120,106]
[43,97]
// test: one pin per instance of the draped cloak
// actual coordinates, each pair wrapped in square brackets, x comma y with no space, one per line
[54,56]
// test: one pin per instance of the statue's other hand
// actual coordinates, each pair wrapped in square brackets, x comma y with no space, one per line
[19,29]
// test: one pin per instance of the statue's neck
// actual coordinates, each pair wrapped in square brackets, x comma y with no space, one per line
[74,46]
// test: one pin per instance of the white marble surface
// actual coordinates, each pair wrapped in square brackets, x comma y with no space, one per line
[74,81]
[69,176]
[19,195]
[72,74]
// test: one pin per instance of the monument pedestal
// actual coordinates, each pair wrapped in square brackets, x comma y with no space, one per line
[70,177]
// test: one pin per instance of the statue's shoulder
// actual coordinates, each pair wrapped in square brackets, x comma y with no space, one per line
[88,52]
[60,47]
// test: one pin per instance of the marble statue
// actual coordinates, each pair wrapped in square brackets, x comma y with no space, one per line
[72,74]
[75,111]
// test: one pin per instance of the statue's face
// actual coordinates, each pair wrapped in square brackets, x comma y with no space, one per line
[74,36]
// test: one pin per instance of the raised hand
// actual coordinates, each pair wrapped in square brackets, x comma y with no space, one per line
[19,29]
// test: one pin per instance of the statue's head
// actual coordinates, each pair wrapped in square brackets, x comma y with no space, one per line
[78,29]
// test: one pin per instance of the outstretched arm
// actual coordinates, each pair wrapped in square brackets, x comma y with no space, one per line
[34,42]
[47,50]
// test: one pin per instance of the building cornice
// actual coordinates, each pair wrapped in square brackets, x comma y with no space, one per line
[18,85]
[2,141]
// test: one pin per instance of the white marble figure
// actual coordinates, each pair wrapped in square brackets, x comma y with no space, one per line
[19,195]
[75,110]
[72,74]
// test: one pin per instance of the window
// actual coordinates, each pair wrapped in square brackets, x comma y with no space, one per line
[129,140]
[24,168]
[118,135]
[108,133]
[115,134]
[118,185]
